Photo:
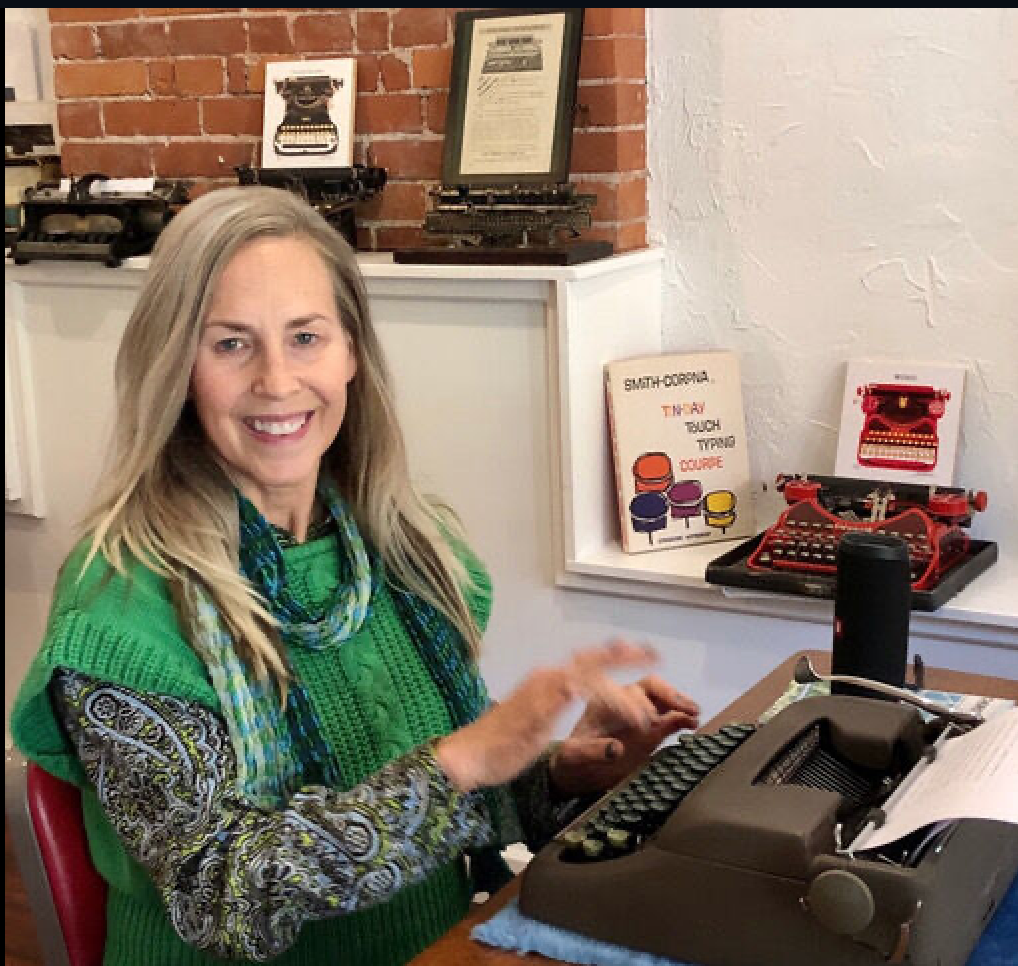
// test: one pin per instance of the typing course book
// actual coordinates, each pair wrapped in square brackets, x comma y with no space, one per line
[678,437]
[900,421]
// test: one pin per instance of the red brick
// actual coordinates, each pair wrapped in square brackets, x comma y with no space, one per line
[419,26]
[599,151]
[100,79]
[408,159]
[232,115]
[436,107]
[218,35]
[389,238]
[395,73]
[372,31]
[80,120]
[369,73]
[389,114]
[161,77]
[90,14]
[133,40]
[398,201]
[184,11]
[613,21]
[632,199]
[236,75]
[72,43]
[213,159]
[269,35]
[617,58]
[324,32]
[432,68]
[163,117]
[199,75]
[631,235]
[256,72]
[611,105]
[606,206]
[110,158]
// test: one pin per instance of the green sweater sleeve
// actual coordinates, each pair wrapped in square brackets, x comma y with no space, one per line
[120,628]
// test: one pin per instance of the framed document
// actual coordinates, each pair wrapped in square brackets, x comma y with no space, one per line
[512,97]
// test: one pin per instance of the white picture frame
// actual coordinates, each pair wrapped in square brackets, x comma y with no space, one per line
[309,114]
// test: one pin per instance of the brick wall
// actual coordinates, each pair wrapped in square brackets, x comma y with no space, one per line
[176,92]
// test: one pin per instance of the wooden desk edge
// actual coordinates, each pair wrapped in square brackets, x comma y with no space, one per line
[456,946]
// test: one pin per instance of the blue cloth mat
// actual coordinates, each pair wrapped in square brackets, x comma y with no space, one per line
[510,929]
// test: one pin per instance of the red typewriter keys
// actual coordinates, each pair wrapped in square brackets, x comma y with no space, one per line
[821,510]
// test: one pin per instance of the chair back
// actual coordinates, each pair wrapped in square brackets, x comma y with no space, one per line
[66,893]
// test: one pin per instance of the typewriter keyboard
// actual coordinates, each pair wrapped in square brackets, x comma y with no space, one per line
[638,808]
[307,136]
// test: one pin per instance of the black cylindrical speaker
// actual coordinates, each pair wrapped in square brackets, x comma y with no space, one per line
[872,600]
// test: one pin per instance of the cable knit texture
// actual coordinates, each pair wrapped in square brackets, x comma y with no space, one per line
[374,703]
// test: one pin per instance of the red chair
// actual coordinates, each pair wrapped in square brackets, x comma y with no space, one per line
[66,893]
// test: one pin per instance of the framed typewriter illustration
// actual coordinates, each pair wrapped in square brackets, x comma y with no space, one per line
[309,114]
[900,421]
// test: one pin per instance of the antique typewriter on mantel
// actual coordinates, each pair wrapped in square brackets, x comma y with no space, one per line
[79,223]
[333,192]
[798,554]
[740,848]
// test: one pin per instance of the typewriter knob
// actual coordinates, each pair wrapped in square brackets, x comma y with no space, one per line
[841,902]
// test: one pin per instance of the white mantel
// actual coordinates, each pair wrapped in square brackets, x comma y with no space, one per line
[499,382]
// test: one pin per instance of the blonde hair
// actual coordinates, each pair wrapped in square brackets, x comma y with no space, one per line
[165,499]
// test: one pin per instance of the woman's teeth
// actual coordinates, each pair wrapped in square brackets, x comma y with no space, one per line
[275,428]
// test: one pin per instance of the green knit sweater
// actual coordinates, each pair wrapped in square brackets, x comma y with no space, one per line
[374,698]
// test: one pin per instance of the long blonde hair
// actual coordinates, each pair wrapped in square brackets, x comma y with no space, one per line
[164,498]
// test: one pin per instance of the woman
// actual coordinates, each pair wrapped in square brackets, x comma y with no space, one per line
[260,662]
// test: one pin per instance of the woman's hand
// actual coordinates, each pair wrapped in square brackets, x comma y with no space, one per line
[510,736]
[617,732]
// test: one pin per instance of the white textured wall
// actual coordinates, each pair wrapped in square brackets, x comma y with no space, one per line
[835,183]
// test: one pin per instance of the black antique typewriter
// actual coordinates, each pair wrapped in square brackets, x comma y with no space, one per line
[333,192]
[738,849]
[83,225]
[798,553]
[307,127]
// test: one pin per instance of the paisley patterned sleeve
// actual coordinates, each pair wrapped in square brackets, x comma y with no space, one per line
[239,881]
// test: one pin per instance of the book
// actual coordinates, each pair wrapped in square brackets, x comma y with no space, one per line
[678,438]
[308,119]
[900,421]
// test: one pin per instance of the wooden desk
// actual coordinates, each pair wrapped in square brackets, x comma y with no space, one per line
[456,946]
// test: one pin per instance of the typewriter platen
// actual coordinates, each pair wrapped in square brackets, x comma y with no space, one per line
[798,553]
[737,861]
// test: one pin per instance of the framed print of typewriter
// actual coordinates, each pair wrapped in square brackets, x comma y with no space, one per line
[798,553]
[309,114]
[900,421]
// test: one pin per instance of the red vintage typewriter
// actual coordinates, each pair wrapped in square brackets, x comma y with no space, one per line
[900,426]
[798,554]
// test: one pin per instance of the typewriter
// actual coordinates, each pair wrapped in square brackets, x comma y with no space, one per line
[81,225]
[900,426]
[734,849]
[307,127]
[798,554]
[333,192]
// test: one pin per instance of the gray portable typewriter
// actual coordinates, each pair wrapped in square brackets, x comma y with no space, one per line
[727,850]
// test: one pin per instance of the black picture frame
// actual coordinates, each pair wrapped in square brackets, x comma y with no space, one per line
[519,58]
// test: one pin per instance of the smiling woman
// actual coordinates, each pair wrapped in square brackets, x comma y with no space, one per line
[271,373]
[260,665]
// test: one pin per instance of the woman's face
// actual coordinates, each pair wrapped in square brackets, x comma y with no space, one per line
[270,379]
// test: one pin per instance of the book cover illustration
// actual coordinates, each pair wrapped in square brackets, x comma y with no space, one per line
[678,437]
[900,421]
[309,114]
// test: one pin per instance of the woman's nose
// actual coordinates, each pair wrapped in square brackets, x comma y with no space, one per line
[275,376]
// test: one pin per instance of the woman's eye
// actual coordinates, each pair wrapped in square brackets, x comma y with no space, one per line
[231,344]
[306,338]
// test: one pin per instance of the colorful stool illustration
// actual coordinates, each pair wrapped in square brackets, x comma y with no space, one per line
[649,513]
[685,499]
[652,473]
[719,509]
